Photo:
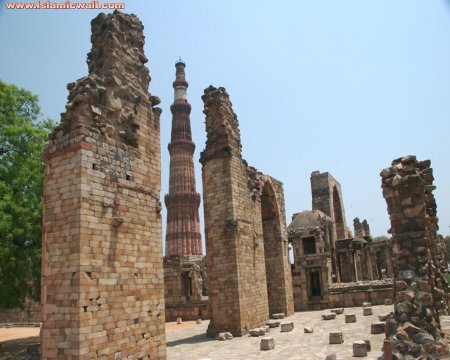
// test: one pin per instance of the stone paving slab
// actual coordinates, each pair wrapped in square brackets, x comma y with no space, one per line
[192,343]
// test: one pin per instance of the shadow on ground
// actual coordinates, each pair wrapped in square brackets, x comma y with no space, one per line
[196,339]
[20,349]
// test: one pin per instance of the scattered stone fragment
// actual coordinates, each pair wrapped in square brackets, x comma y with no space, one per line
[199,321]
[336,337]
[267,343]
[278,316]
[366,304]
[286,327]
[308,330]
[337,311]
[368,346]
[387,302]
[383,317]
[179,321]
[273,323]
[359,349]
[266,328]
[367,311]
[377,328]
[331,357]
[224,336]
[350,318]
[255,332]
[422,337]
[328,316]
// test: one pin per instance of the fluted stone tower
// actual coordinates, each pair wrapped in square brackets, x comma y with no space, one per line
[182,202]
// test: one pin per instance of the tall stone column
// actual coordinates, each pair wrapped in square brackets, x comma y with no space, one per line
[418,299]
[183,225]
[102,274]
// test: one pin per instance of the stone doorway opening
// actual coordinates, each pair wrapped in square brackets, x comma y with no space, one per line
[314,288]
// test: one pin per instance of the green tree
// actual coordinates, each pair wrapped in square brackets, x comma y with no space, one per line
[447,249]
[22,137]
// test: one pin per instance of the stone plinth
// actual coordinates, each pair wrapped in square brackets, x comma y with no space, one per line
[349,318]
[367,311]
[286,327]
[336,337]
[359,349]
[377,328]
[267,343]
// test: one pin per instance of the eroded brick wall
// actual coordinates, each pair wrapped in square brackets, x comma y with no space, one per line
[233,198]
[102,274]
[419,297]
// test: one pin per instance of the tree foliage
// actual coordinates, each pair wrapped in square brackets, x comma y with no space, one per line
[447,249]
[22,138]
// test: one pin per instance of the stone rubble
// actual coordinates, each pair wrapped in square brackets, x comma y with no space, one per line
[420,286]
[267,343]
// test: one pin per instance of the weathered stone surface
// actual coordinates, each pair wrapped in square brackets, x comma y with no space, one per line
[377,328]
[278,316]
[286,327]
[337,311]
[273,323]
[359,349]
[336,337]
[224,336]
[349,318]
[419,280]
[244,213]
[367,311]
[383,317]
[329,316]
[267,343]
[102,274]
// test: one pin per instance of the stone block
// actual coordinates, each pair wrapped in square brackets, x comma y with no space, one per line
[383,317]
[329,316]
[377,328]
[179,321]
[366,304]
[224,336]
[350,318]
[308,330]
[388,302]
[273,323]
[367,311]
[337,311]
[267,343]
[286,327]
[368,345]
[199,321]
[278,316]
[336,337]
[255,332]
[359,349]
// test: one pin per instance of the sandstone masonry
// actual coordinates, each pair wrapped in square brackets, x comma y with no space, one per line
[246,241]
[102,275]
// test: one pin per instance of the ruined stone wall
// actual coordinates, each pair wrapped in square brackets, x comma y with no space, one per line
[419,297]
[102,274]
[327,197]
[234,231]
[183,284]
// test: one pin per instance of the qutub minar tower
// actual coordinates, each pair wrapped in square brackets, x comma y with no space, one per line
[182,202]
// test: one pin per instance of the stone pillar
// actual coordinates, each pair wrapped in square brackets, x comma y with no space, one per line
[406,186]
[246,240]
[357,227]
[357,265]
[102,273]
[183,224]
[389,259]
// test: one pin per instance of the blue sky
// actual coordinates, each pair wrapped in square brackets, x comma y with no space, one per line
[337,86]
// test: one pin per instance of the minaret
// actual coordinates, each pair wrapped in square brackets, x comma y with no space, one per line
[182,202]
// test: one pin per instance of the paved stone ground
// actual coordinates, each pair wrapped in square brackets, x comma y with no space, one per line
[192,343]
